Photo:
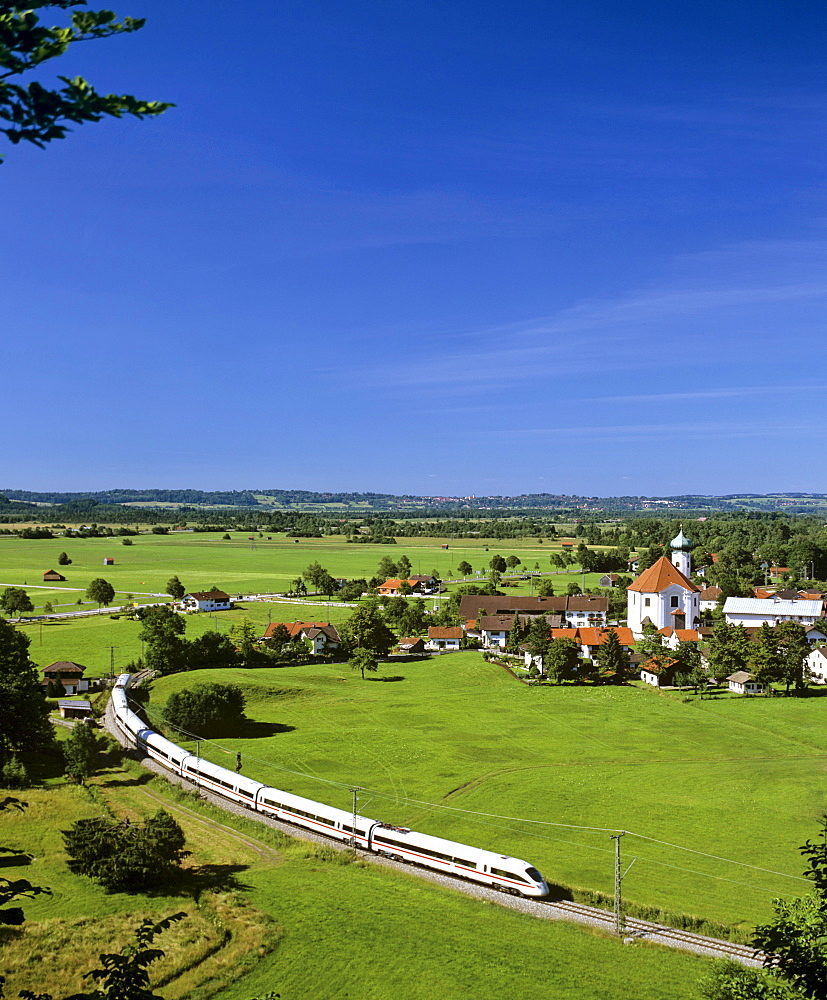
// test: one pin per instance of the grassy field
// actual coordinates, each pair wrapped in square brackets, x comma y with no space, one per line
[202,560]
[268,913]
[743,779]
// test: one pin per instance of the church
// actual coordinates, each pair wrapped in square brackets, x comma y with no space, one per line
[663,594]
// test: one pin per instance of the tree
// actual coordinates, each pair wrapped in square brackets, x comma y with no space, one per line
[498,563]
[124,856]
[48,608]
[562,660]
[353,590]
[539,637]
[365,629]
[161,630]
[494,577]
[729,651]
[780,655]
[515,635]
[512,562]
[298,587]
[362,660]
[243,634]
[403,567]
[81,752]
[316,575]
[15,600]
[405,589]
[210,651]
[63,559]
[36,114]
[611,657]
[414,617]
[175,588]
[545,588]
[100,591]
[24,723]
[465,568]
[206,709]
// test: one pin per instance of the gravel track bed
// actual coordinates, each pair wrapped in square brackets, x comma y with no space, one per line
[546,910]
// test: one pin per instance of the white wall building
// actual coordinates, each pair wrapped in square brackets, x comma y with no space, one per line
[755,611]
[664,594]
[206,600]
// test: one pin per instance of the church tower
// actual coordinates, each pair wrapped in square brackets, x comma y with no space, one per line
[681,558]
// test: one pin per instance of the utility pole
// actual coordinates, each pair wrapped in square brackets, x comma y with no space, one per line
[353,792]
[619,921]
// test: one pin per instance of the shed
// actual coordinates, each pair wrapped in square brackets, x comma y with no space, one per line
[52,574]
[108,561]
[411,644]
[742,683]
[74,709]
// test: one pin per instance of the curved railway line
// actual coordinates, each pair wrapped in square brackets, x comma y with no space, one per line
[548,909]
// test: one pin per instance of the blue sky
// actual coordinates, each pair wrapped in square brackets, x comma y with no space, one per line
[477,247]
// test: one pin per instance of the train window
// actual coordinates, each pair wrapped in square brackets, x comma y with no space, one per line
[533,873]
[381,840]
[243,792]
[462,861]
[511,875]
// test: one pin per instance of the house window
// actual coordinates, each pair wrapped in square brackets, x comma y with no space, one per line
[674,602]
[646,602]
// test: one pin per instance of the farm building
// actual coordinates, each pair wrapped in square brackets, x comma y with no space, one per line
[69,674]
[323,636]
[53,575]
[108,561]
[411,644]
[206,600]
[816,662]
[659,673]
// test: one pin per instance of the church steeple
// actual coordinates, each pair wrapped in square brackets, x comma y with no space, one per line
[681,558]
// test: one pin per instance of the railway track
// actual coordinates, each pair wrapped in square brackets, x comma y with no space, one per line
[660,933]
[635,929]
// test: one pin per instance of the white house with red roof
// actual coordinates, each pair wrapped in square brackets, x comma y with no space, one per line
[663,594]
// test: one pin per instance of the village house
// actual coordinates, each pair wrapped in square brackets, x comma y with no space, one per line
[608,580]
[709,597]
[69,674]
[659,673]
[446,639]
[816,661]
[206,600]
[323,637]
[579,610]
[52,575]
[418,584]
[741,682]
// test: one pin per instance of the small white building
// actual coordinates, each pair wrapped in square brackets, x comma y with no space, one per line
[772,610]
[206,600]
[816,661]
[709,597]
[445,639]
[742,683]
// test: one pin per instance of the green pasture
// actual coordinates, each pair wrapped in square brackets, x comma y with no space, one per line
[91,640]
[526,770]
[302,920]
[239,565]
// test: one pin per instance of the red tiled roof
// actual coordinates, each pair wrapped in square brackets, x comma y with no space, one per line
[660,576]
[450,632]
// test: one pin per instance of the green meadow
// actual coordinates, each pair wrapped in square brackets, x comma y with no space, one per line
[202,561]
[264,912]
[457,747]
[264,565]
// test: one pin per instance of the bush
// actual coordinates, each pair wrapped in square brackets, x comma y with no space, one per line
[14,774]
[206,709]
[126,857]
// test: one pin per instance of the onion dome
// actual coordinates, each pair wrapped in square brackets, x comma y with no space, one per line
[680,541]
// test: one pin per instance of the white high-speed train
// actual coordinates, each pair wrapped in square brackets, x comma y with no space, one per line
[498,870]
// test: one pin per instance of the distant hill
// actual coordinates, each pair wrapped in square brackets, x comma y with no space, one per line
[329,502]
